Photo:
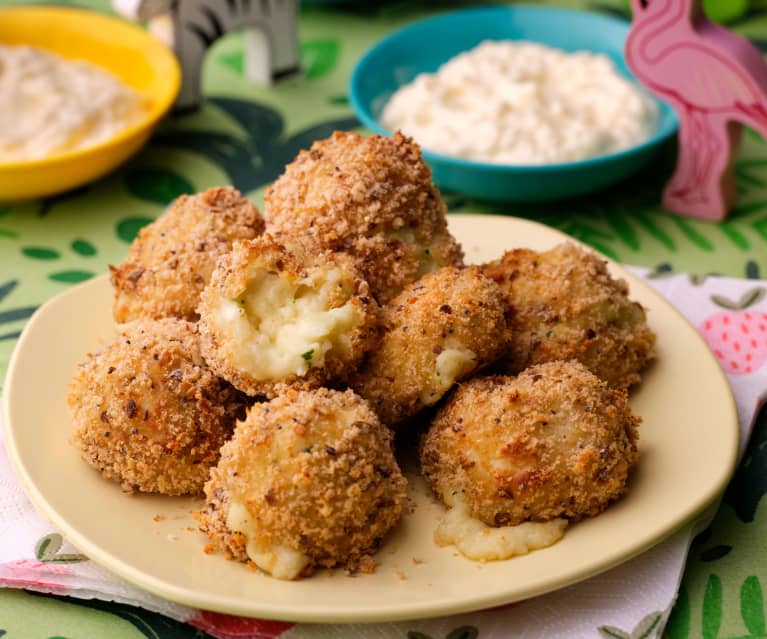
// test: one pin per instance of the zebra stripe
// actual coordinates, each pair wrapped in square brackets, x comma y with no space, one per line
[191,27]
[215,23]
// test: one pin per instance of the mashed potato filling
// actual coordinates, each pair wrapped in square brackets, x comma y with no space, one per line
[452,363]
[480,542]
[277,560]
[281,326]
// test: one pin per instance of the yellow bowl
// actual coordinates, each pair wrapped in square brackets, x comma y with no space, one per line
[125,50]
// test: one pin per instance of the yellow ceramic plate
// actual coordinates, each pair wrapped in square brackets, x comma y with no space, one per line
[688,444]
[127,51]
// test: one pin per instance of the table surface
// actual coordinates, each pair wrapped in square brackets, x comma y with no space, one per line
[47,246]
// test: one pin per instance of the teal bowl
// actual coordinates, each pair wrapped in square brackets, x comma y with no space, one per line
[424,46]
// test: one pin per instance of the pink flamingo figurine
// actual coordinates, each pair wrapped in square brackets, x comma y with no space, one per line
[715,80]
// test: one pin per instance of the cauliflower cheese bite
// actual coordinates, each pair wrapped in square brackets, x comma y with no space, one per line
[439,330]
[565,305]
[172,259]
[308,479]
[149,413]
[371,197]
[555,441]
[273,316]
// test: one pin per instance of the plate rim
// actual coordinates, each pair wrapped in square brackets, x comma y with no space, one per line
[416,610]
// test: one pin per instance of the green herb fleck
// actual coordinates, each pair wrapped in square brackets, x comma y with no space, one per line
[549,333]
[308,449]
[307,355]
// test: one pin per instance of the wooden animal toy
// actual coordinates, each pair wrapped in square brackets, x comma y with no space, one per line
[715,80]
[190,27]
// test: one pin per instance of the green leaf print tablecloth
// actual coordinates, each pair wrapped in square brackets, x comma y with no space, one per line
[244,135]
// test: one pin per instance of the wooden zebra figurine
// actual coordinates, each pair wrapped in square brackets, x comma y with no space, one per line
[189,27]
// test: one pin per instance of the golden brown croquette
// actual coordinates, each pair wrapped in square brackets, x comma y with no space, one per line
[273,317]
[565,305]
[439,330]
[172,259]
[371,197]
[308,479]
[555,441]
[149,413]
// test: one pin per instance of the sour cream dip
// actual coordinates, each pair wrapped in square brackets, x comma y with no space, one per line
[521,102]
[50,105]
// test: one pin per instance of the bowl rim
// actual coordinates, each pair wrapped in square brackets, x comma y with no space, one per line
[160,103]
[668,124]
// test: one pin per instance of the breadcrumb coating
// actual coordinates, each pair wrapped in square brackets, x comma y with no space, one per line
[565,305]
[172,259]
[439,330]
[273,317]
[371,197]
[555,441]
[312,472]
[149,413]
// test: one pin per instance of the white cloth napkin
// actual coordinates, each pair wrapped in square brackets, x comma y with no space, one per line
[633,599]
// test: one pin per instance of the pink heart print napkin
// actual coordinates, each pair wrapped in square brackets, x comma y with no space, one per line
[631,600]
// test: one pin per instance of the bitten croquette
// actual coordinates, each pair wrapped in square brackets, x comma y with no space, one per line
[555,441]
[172,259]
[149,413]
[309,479]
[272,317]
[565,305]
[439,330]
[371,197]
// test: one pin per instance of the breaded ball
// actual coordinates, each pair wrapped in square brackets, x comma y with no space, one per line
[564,305]
[273,317]
[439,330]
[309,479]
[369,196]
[149,413]
[555,441]
[172,259]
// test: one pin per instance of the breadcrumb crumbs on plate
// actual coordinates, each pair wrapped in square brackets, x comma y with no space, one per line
[209,549]
[158,517]
[367,565]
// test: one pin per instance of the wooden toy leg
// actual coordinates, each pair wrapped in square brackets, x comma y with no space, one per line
[681,183]
[258,57]
[702,185]
[190,49]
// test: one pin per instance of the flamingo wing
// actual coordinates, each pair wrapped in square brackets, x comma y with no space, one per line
[702,78]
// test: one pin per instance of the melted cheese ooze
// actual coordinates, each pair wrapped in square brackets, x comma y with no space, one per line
[280,327]
[452,363]
[277,560]
[480,542]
